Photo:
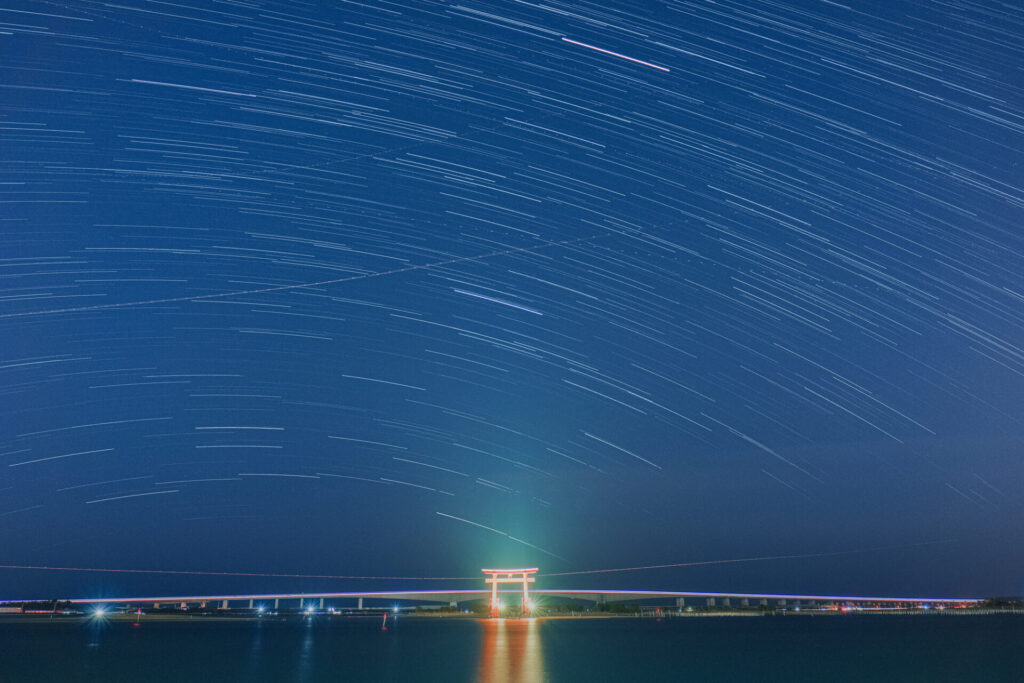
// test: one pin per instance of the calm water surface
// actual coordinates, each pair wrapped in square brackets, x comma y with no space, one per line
[795,648]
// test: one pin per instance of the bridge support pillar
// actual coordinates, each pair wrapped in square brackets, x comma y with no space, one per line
[277,603]
[680,603]
[745,602]
[184,606]
[250,604]
[453,604]
[360,604]
[156,605]
[223,604]
[711,602]
[202,605]
[321,603]
[782,602]
[764,602]
[726,602]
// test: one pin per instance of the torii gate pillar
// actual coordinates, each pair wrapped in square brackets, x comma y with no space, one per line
[497,576]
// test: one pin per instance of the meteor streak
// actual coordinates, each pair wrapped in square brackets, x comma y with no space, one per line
[259,574]
[320,283]
[616,54]
[764,558]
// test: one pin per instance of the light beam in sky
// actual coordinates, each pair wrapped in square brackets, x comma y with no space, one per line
[615,54]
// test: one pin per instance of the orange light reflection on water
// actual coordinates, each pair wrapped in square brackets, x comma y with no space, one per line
[511,651]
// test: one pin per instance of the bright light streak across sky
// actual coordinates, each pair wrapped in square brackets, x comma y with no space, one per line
[131,495]
[615,54]
[502,533]
[741,560]
[305,285]
[171,572]
[476,524]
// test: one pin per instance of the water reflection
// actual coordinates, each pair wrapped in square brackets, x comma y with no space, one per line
[511,651]
[304,669]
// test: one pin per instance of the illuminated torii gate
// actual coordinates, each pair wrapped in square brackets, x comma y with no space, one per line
[496,576]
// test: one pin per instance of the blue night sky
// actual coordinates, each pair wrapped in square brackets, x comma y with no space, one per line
[412,288]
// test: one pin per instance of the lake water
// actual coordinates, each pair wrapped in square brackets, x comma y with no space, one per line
[781,648]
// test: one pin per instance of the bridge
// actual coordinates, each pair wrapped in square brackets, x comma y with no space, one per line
[496,577]
[598,596]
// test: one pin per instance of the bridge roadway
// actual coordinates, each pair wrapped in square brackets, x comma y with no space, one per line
[598,596]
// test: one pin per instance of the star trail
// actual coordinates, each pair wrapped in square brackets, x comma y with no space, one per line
[387,289]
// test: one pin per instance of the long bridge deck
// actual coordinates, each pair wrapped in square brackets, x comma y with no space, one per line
[449,596]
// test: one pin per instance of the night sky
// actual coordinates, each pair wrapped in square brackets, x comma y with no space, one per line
[414,288]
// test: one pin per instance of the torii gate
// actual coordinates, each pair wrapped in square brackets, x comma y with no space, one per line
[496,576]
